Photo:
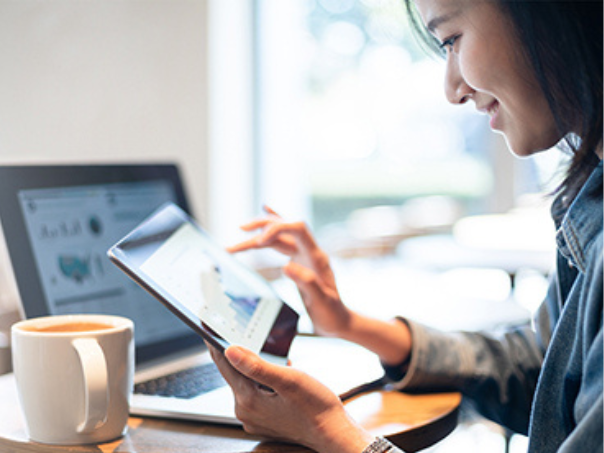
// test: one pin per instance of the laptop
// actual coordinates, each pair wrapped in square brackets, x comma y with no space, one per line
[57,223]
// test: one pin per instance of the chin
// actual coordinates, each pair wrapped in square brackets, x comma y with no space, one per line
[523,148]
[515,148]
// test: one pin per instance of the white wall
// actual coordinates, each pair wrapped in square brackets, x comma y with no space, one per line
[105,80]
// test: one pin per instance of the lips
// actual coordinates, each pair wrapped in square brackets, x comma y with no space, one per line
[492,110]
[488,108]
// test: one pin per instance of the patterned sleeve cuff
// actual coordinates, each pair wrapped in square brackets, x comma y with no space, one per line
[397,372]
[437,360]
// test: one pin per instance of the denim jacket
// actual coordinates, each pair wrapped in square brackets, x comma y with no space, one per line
[543,380]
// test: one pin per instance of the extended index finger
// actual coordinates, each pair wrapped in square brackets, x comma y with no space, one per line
[245,245]
[256,224]
[297,230]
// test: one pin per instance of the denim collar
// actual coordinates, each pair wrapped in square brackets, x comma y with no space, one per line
[581,222]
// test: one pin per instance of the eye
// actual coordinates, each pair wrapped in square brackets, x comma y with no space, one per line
[449,43]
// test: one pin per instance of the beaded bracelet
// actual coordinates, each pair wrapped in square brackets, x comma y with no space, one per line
[379,445]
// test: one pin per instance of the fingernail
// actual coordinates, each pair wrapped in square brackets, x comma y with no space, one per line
[269,210]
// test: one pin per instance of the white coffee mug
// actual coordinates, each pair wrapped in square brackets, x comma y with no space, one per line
[74,376]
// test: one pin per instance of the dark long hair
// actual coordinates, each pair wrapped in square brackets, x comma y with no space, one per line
[563,41]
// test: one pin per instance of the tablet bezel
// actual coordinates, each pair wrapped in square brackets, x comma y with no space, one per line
[150,236]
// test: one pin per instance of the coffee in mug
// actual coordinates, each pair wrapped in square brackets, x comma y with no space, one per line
[69,327]
[74,376]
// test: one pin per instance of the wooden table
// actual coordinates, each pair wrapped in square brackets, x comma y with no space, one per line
[413,422]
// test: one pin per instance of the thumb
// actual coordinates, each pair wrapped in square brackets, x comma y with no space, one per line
[305,278]
[253,367]
[307,281]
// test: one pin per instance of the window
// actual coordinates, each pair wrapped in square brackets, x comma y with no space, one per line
[354,112]
[351,113]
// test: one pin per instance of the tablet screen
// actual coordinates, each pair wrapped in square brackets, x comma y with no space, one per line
[176,260]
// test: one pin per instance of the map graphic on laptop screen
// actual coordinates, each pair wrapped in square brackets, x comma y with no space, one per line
[70,229]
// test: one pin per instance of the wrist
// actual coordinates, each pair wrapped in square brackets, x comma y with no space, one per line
[343,436]
[350,327]
[399,356]
[354,443]
[343,328]
[390,340]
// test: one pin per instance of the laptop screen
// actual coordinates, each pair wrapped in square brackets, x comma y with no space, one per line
[60,229]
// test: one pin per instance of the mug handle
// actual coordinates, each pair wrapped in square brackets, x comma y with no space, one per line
[96,395]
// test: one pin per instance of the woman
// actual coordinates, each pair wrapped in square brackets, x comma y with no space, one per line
[536,69]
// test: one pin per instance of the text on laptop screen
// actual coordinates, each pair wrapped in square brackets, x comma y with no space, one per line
[70,230]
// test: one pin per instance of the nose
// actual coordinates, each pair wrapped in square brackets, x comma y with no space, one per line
[457,90]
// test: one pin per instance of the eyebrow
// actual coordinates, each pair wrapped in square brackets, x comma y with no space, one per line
[434,23]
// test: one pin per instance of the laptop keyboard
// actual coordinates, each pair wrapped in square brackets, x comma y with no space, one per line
[184,384]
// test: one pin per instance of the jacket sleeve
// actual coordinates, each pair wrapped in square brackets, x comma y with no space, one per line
[497,371]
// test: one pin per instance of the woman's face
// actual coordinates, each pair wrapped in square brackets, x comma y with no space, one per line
[484,65]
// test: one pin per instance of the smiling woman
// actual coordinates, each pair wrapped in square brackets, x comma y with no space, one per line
[502,85]
[537,86]
[545,382]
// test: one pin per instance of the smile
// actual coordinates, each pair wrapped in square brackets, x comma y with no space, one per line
[491,109]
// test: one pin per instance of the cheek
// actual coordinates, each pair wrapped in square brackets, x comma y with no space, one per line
[482,68]
[529,130]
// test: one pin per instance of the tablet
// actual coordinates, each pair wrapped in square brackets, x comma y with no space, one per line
[174,258]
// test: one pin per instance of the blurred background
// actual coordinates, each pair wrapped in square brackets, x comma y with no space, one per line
[328,111]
